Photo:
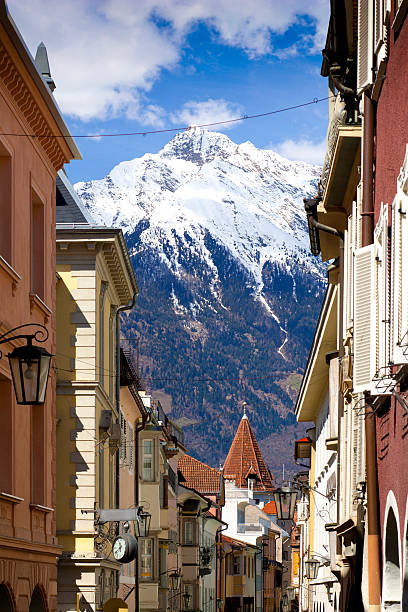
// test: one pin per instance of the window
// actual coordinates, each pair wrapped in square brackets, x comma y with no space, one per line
[6,205]
[236,566]
[6,435]
[163,566]
[102,294]
[130,447]
[245,566]
[146,558]
[188,532]
[37,246]
[164,491]
[123,438]
[147,461]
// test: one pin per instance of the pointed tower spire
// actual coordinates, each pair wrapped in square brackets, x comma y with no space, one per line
[43,65]
[245,459]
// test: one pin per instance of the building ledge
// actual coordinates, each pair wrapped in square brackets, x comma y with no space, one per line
[332,444]
[11,273]
[41,508]
[13,499]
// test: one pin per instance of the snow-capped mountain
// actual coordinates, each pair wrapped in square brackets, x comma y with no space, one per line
[249,200]
[219,242]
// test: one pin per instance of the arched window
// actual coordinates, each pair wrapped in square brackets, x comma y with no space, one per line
[6,604]
[37,603]
[392,573]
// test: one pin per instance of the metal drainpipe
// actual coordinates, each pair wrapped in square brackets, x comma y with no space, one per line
[373,522]
[119,310]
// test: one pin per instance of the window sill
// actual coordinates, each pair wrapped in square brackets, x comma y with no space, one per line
[11,273]
[41,508]
[13,499]
[37,302]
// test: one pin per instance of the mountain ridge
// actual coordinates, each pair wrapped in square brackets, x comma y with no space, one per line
[219,242]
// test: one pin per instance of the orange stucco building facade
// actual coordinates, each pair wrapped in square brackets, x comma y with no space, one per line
[28,168]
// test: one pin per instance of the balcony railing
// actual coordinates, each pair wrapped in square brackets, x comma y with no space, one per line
[344,114]
[162,418]
[247,527]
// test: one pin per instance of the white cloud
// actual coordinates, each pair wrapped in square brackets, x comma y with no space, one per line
[105,55]
[302,150]
[207,111]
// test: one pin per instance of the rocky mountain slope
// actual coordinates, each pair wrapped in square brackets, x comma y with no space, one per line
[229,293]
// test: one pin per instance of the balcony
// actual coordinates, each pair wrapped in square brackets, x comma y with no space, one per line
[343,139]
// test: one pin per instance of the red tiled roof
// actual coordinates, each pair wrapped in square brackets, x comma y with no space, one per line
[235,542]
[199,476]
[269,508]
[244,454]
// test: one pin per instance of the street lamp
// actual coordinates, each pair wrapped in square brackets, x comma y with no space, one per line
[285,500]
[291,591]
[187,598]
[143,523]
[29,365]
[174,580]
[285,603]
[312,567]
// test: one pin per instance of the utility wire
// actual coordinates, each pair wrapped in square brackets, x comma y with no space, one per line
[175,129]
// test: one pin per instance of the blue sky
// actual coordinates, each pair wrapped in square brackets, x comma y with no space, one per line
[126,66]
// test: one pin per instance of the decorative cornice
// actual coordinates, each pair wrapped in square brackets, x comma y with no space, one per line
[22,96]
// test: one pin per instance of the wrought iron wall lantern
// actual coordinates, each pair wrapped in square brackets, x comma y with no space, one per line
[29,365]
[285,500]
[186,599]
[143,523]
[312,568]
[175,580]
[285,603]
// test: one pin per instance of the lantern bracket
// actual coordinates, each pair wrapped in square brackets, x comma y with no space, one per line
[41,335]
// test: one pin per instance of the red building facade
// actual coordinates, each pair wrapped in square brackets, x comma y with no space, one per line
[28,168]
[391,140]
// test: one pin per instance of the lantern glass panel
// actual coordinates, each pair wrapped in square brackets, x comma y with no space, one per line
[312,568]
[285,500]
[143,524]
[30,366]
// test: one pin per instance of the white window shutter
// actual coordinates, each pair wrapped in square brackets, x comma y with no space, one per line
[397,355]
[365,44]
[378,24]
[364,311]
[404,273]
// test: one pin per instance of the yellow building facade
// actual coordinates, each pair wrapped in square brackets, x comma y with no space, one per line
[95,279]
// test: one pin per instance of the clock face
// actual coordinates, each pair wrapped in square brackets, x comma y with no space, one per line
[119,548]
[124,548]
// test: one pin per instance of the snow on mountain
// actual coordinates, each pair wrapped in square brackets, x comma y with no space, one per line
[249,200]
[229,293]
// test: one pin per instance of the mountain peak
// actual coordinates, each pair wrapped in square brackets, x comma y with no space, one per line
[199,146]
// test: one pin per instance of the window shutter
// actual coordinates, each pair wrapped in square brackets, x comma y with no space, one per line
[363,318]
[130,447]
[365,44]
[396,280]
[378,23]
[404,273]
[382,310]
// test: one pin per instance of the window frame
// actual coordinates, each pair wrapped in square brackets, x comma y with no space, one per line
[146,555]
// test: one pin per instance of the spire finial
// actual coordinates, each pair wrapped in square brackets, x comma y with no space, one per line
[41,60]
[244,416]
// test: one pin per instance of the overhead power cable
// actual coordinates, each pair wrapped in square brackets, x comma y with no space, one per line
[175,129]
